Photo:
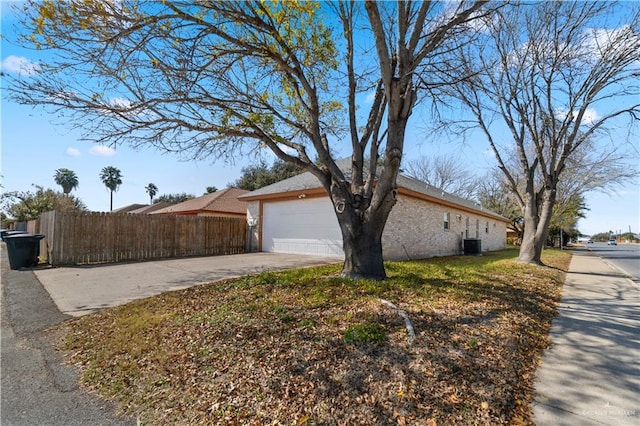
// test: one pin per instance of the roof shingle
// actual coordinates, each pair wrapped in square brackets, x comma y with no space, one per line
[223,201]
[307,181]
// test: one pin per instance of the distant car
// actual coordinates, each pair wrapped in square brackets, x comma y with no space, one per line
[612,243]
[590,242]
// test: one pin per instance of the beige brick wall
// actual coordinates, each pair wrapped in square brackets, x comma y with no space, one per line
[415,229]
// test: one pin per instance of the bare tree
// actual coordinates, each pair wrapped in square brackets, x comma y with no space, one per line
[545,79]
[211,78]
[447,173]
[588,169]
[494,193]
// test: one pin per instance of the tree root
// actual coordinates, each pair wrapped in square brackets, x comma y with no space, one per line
[405,317]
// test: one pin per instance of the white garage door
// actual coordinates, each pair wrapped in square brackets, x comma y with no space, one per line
[307,226]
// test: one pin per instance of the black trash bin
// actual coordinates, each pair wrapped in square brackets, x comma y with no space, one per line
[472,246]
[23,249]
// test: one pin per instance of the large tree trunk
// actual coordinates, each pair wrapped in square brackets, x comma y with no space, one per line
[544,222]
[363,256]
[537,219]
[529,252]
[362,221]
[362,217]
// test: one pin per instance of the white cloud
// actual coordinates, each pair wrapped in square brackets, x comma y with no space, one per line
[589,118]
[102,151]
[19,65]
[121,106]
[594,44]
[73,152]
[600,42]
[120,103]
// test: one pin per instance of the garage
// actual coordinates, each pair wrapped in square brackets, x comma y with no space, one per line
[303,226]
[295,215]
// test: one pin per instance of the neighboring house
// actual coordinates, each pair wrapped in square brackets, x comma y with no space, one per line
[151,208]
[512,236]
[220,203]
[295,215]
[127,209]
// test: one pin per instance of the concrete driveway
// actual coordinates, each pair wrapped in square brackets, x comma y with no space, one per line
[82,290]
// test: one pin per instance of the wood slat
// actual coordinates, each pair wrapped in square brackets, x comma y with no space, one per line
[75,238]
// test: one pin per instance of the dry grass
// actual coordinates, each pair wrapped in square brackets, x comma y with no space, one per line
[308,347]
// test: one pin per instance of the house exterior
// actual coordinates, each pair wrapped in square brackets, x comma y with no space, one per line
[296,216]
[223,203]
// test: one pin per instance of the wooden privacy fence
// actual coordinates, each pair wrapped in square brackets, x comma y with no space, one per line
[74,238]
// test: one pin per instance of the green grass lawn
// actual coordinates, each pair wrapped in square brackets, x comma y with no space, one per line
[310,347]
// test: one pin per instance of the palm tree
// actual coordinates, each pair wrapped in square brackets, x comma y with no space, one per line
[112,179]
[152,190]
[67,179]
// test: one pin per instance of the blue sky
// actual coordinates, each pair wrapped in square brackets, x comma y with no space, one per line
[33,148]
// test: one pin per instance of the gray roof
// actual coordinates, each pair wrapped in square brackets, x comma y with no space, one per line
[420,187]
[299,182]
[127,209]
[306,180]
[151,208]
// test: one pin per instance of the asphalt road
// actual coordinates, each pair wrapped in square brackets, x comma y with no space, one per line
[37,387]
[624,257]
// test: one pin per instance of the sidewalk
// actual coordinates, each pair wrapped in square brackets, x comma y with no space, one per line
[591,373]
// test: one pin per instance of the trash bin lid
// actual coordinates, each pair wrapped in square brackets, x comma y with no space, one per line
[25,235]
[13,234]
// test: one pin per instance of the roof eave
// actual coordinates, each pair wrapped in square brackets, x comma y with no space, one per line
[286,195]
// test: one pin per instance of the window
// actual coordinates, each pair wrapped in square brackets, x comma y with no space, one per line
[477,228]
[446,221]
[486,229]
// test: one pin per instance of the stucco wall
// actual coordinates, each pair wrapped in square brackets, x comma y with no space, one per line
[415,229]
